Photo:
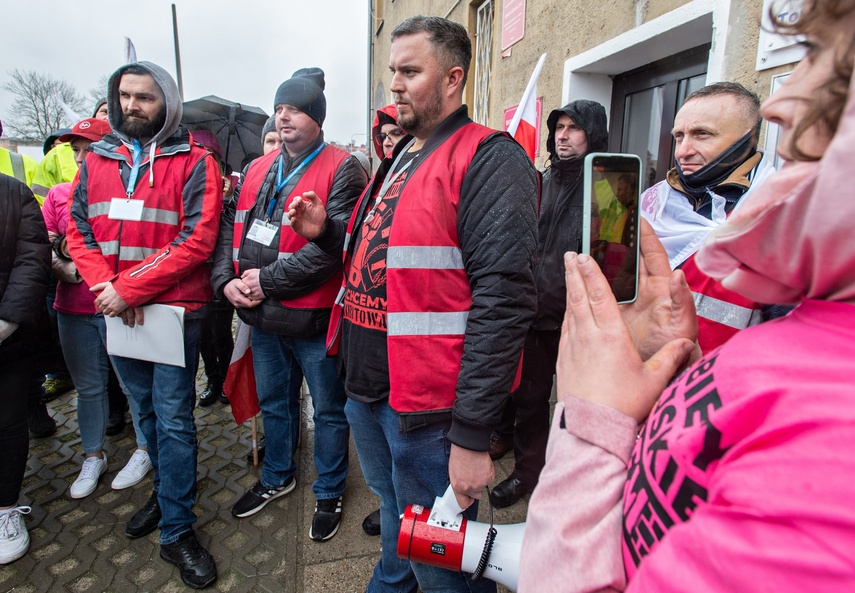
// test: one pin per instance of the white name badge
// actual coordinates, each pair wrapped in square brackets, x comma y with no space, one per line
[125,209]
[262,232]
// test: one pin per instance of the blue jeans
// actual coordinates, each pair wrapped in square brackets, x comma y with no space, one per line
[84,348]
[165,396]
[403,469]
[280,362]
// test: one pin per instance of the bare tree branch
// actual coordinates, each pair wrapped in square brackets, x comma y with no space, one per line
[36,110]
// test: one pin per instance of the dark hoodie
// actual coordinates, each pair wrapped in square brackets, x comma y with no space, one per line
[385,115]
[560,222]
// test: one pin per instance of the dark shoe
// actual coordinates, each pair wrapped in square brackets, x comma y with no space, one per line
[261,449]
[224,399]
[195,564]
[56,387]
[327,519]
[144,520]
[371,523]
[115,423]
[499,446]
[208,397]
[39,421]
[258,497]
[509,492]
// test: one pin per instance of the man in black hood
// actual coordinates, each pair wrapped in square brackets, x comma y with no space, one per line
[575,130]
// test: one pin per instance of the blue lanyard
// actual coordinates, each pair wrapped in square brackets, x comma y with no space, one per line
[135,168]
[281,183]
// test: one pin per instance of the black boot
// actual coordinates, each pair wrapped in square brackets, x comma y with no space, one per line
[38,420]
[212,392]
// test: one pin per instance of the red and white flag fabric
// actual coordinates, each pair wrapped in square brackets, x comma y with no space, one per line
[239,385]
[523,126]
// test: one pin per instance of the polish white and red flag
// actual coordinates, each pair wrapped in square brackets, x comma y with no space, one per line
[523,126]
[239,386]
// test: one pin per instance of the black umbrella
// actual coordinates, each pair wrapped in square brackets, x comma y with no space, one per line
[237,127]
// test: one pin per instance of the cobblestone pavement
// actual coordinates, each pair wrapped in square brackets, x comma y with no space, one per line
[79,546]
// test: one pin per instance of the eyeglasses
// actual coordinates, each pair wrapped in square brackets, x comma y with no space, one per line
[393,136]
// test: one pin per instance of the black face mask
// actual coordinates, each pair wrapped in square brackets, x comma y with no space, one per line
[716,171]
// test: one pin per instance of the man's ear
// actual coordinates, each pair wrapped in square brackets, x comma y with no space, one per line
[455,81]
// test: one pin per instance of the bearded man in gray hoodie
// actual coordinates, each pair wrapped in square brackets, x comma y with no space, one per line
[144,220]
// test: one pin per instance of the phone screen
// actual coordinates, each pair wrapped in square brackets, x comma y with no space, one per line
[611,225]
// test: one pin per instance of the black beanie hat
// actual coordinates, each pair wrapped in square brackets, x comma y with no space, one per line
[305,91]
[269,126]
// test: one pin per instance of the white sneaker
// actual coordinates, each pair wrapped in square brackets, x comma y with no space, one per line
[134,471]
[87,481]
[14,538]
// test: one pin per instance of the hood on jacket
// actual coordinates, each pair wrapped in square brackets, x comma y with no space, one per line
[788,240]
[52,137]
[588,115]
[385,115]
[172,100]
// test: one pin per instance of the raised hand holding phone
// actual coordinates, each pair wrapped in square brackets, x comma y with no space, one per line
[610,228]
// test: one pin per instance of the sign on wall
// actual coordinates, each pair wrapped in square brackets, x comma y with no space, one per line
[509,115]
[773,49]
[513,22]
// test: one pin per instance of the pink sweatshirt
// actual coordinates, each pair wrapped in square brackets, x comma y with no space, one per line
[741,479]
[71,297]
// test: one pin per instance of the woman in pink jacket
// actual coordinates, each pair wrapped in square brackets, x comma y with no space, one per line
[739,474]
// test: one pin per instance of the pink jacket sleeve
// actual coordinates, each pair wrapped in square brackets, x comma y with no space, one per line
[572,540]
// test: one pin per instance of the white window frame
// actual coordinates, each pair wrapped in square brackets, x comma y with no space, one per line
[484,20]
[589,75]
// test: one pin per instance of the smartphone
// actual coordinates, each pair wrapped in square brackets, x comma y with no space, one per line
[610,227]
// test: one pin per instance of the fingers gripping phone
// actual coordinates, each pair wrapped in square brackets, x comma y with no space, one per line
[610,227]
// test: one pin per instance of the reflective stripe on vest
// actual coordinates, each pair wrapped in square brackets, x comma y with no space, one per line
[158,215]
[19,171]
[432,258]
[126,253]
[427,324]
[725,313]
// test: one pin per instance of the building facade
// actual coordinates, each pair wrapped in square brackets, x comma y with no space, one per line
[639,58]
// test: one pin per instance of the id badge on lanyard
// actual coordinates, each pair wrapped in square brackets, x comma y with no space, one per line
[262,232]
[128,208]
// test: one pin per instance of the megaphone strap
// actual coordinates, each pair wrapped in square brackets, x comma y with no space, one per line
[488,547]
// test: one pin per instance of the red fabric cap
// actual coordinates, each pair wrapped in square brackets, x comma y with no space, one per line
[90,128]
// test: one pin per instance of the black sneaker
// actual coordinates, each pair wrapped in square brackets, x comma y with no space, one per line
[256,499]
[371,523]
[327,519]
[145,520]
[195,564]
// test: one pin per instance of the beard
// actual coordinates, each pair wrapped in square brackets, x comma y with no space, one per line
[421,123]
[142,128]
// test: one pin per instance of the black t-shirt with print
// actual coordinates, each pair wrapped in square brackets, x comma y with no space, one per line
[364,326]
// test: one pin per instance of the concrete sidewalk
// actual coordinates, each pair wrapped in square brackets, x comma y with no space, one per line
[79,545]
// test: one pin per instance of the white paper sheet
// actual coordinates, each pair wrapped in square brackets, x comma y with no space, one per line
[160,339]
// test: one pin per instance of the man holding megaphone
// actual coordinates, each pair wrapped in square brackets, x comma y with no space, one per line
[438,294]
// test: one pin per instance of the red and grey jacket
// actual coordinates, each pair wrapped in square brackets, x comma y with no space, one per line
[318,177]
[162,257]
[428,290]
[721,312]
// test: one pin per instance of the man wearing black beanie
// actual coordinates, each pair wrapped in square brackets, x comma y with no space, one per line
[284,287]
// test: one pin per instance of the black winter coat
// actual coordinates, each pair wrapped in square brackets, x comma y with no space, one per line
[24,271]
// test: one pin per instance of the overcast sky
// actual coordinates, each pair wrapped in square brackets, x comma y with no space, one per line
[237,49]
